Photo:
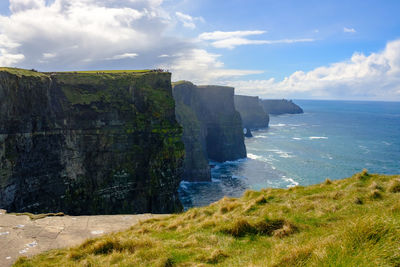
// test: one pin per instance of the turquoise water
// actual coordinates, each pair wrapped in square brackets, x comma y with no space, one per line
[331,139]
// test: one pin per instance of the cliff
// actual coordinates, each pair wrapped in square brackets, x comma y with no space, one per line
[88,142]
[212,128]
[252,113]
[280,106]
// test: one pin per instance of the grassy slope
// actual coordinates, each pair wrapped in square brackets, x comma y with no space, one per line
[350,222]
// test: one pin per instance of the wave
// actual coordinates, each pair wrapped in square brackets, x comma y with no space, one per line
[260,136]
[277,125]
[281,153]
[252,156]
[317,137]
[290,180]
[296,138]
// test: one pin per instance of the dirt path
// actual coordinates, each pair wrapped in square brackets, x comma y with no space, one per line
[21,236]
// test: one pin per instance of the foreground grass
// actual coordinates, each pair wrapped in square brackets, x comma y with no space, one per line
[350,222]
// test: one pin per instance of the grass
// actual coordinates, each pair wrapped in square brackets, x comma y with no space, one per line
[350,222]
[105,71]
[23,72]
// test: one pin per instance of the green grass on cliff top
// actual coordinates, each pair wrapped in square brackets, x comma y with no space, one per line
[24,72]
[350,222]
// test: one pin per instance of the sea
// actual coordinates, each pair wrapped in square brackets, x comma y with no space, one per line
[331,139]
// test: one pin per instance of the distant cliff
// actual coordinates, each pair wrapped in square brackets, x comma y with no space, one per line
[212,128]
[89,142]
[280,106]
[251,111]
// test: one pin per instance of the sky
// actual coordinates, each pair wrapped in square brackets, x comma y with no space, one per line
[345,50]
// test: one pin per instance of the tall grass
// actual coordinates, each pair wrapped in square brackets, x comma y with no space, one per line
[350,222]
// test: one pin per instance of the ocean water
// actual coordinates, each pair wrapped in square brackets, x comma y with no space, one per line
[332,139]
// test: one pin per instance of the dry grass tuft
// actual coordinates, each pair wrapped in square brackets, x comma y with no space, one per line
[375,194]
[328,181]
[217,256]
[375,186]
[287,229]
[261,200]
[363,175]
[228,206]
[358,201]
[394,186]
[298,256]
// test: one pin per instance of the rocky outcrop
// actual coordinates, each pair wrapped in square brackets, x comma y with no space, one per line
[252,113]
[212,128]
[280,106]
[88,143]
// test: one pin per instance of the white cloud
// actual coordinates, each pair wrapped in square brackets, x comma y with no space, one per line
[220,35]
[83,34]
[202,67]
[349,30]
[236,38]
[123,56]
[49,55]
[376,76]
[187,20]
[21,5]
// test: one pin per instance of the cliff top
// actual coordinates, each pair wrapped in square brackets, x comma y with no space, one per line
[350,222]
[34,73]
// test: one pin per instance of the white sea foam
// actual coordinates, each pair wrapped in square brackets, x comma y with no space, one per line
[290,180]
[387,143]
[364,148]
[317,137]
[252,156]
[296,138]
[281,153]
[184,184]
[260,136]
[277,125]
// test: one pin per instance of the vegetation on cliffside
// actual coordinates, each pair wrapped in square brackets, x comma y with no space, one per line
[350,222]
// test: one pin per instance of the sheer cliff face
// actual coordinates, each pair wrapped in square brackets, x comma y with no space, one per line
[211,127]
[280,106]
[252,113]
[88,143]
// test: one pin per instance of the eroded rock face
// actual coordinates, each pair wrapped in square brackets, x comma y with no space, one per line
[212,128]
[252,113]
[89,143]
[280,106]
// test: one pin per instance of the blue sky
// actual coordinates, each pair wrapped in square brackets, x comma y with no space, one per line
[297,49]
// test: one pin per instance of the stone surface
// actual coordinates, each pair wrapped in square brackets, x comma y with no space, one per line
[21,236]
[252,113]
[89,143]
[280,106]
[212,128]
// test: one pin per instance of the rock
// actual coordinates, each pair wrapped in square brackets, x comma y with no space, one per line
[212,128]
[88,143]
[247,132]
[280,106]
[252,113]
